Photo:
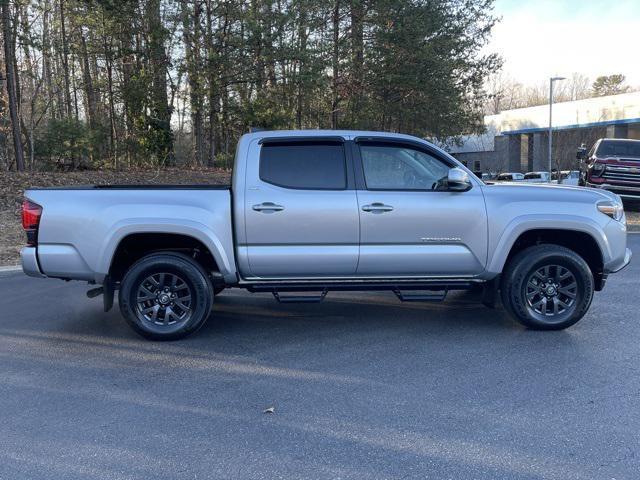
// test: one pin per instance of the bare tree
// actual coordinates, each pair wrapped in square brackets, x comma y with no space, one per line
[578,87]
[335,60]
[11,77]
[504,93]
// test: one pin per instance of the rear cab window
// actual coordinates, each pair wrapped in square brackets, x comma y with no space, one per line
[312,165]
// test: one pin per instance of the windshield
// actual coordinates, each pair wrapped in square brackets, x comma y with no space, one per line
[619,148]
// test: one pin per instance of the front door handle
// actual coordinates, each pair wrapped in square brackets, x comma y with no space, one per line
[267,207]
[377,207]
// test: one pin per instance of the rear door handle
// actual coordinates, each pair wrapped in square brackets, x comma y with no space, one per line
[377,207]
[267,207]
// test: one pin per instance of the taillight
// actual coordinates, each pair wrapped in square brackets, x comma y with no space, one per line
[31,213]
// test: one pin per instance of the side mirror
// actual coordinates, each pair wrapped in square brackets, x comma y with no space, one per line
[581,154]
[458,180]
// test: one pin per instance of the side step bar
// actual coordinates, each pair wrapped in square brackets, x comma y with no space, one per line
[300,298]
[412,297]
[355,285]
[404,290]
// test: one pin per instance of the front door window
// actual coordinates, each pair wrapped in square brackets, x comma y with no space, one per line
[399,168]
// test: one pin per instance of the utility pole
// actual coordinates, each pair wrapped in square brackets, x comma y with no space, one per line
[551,80]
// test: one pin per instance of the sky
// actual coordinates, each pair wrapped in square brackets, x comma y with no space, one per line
[542,38]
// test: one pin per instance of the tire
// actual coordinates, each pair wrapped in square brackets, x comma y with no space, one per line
[166,296]
[547,287]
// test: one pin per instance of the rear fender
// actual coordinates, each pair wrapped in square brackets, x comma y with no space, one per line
[199,231]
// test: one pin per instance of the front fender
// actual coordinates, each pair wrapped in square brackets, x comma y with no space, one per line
[524,223]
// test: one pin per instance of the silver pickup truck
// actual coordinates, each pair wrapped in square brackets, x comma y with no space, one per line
[310,212]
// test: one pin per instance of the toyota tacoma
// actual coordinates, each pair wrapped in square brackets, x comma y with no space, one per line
[310,212]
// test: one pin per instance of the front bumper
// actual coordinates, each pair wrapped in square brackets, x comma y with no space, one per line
[624,263]
[621,190]
[29,260]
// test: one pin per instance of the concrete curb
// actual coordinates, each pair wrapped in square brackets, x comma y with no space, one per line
[10,270]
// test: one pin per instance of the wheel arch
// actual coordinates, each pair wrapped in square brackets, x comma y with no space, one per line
[131,242]
[579,235]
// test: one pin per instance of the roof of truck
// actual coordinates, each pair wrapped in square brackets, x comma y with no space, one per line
[347,134]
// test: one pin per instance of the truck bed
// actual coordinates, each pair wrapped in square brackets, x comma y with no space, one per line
[81,227]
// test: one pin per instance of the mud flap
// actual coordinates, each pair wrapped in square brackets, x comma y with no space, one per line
[490,293]
[107,293]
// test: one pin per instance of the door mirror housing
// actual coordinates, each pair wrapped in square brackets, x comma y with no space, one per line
[458,180]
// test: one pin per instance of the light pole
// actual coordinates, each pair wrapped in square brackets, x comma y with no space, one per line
[551,80]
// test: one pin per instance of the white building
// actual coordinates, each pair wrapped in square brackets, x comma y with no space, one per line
[517,140]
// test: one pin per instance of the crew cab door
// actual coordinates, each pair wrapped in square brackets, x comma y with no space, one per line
[301,212]
[410,224]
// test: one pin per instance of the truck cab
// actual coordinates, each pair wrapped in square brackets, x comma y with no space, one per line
[354,206]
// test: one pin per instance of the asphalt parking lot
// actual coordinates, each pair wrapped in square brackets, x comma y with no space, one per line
[362,387]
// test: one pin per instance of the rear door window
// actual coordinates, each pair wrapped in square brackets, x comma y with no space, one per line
[304,165]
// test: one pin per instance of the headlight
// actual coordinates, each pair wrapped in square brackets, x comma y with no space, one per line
[614,210]
[597,168]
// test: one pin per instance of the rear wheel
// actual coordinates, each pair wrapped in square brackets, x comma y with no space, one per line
[166,296]
[547,287]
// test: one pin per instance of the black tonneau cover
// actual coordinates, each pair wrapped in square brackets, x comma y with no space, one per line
[137,187]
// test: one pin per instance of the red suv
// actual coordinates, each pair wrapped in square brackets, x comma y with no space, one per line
[612,164]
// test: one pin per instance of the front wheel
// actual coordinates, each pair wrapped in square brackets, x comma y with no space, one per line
[547,287]
[166,296]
